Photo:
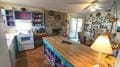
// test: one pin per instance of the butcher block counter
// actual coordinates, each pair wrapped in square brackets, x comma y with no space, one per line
[77,55]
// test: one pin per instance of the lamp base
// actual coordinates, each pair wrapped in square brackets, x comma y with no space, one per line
[96,65]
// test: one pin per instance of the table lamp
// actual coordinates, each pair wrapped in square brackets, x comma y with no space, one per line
[102,45]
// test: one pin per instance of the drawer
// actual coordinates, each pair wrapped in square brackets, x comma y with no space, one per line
[25,47]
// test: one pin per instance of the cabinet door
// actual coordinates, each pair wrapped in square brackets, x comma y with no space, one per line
[4,53]
[15,45]
[12,55]
[23,15]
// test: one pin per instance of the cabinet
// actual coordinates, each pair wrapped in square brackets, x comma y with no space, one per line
[13,51]
[23,15]
[55,59]
[8,17]
[38,41]
[4,53]
[38,27]
[12,54]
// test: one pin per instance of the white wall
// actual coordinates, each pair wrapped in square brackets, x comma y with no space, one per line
[4,54]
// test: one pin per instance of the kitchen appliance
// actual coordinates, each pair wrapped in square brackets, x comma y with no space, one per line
[25,42]
[25,34]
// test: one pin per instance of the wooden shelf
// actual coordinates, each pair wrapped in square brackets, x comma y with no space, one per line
[37,18]
[9,17]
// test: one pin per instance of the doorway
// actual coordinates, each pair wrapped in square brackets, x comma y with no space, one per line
[75,27]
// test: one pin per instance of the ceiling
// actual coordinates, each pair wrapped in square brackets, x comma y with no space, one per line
[70,6]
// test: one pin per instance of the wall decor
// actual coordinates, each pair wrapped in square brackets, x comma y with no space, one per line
[118,29]
[101,26]
[57,17]
[51,13]
[55,20]
[98,14]
[111,18]
[91,15]
[98,23]
[96,27]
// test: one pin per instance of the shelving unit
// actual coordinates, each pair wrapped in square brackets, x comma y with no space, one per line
[55,59]
[37,19]
[50,56]
[10,21]
[38,27]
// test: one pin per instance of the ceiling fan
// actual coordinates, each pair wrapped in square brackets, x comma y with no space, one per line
[93,5]
[90,1]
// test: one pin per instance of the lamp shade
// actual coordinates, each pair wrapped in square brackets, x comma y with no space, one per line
[102,44]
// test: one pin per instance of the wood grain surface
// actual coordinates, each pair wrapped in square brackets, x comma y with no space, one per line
[77,54]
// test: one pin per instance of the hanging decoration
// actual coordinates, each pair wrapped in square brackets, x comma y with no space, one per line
[98,14]
[111,18]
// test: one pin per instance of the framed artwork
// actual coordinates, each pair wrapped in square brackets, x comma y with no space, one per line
[96,27]
[118,29]
[101,26]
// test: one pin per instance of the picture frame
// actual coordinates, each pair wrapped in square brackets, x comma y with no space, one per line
[118,28]
[101,26]
[96,27]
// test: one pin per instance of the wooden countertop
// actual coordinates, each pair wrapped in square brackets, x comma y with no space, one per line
[78,55]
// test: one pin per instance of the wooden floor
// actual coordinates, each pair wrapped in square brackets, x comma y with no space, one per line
[32,58]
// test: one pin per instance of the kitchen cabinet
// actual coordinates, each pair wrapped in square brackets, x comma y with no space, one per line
[4,53]
[8,17]
[38,41]
[13,49]
[38,35]
[12,55]
[24,15]
[55,59]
